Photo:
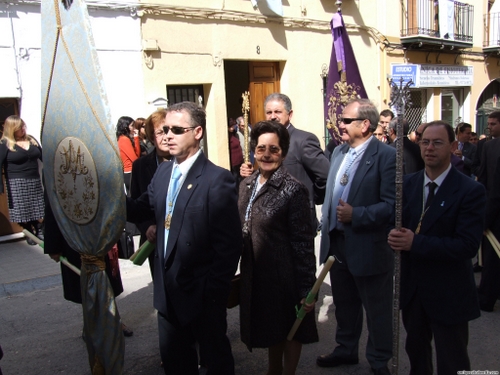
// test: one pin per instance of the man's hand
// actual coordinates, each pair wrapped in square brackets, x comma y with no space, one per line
[400,240]
[344,212]
[151,233]
[246,169]
[55,257]
[308,307]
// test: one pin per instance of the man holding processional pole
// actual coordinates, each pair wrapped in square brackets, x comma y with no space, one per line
[442,223]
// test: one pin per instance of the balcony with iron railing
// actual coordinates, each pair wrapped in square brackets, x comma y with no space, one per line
[437,23]
[491,37]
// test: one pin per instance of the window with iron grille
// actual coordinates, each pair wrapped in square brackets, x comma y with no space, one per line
[184,93]
[417,113]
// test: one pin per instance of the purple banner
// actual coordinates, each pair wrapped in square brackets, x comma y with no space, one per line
[344,80]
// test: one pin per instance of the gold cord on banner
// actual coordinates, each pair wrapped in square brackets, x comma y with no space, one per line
[245,108]
[60,35]
[92,260]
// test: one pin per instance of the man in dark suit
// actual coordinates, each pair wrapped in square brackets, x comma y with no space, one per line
[357,215]
[443,216]
[489,286]
[198,244]
[144,168]
[305,160]
[465,150]
[412,161]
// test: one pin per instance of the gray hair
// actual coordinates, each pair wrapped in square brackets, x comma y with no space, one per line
[281,97]
[394,123]
[368,111]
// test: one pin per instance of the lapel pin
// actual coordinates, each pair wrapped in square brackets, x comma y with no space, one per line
[190,186]
[368,162]
[442,204]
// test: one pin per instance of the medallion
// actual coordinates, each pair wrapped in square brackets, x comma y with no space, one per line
[344,179]
[168,219]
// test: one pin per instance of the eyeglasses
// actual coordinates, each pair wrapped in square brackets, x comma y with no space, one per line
[174,129]
[347,120]
[259,150]
[436,144]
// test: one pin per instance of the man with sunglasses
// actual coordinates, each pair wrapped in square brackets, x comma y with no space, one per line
[198,244]
[443,214]
[357,215]
[305,160]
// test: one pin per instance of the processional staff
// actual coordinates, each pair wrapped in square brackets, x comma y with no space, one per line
[400,99]
[245,108]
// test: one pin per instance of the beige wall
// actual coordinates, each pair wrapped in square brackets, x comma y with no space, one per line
[192,51]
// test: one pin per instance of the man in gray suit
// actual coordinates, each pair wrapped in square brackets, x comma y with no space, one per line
[358,213]
[305,159]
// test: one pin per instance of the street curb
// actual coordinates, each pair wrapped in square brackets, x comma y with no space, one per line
[30,285]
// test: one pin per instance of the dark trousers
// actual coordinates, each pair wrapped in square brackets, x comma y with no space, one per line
[352,293]
[450,342]
[489,287]
[178,343]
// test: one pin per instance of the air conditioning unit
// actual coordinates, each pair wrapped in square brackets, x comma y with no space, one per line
[150,45]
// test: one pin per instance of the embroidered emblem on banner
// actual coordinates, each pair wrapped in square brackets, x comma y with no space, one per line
[77,187]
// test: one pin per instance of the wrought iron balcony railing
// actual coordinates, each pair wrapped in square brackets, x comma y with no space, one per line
[491,37]
[447,21]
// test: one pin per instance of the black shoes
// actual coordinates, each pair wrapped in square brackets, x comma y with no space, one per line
[127,332]
[330,360]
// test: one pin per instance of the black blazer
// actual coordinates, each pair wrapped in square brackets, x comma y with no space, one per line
[143,170]
[205,239]
[412,159]
[438,267]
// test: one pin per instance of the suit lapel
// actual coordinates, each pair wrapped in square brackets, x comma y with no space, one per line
[336,161]
[187,189]
[444,199]
[365,164]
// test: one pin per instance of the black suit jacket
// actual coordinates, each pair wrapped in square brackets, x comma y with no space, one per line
[468,153]
[307,163]
[412,159]
[438,267]
[143,170]
[204,243]
[489,156]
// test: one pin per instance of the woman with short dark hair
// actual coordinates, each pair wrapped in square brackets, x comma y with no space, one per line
[278,264]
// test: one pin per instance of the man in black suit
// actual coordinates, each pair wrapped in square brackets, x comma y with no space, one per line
[489,286]
[144,168]
[412,161]
[443,216]
[465,150]
[198,244]
[305,160]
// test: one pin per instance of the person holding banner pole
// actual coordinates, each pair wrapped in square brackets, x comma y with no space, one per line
[278,263]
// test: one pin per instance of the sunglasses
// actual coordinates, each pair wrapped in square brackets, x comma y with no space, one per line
[347,120]
[261,149]
[174,129]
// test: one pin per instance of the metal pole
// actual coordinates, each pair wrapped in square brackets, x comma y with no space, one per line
[245,107]
[400,99]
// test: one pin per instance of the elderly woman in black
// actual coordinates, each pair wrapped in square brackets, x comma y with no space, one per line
[19,155]
[278,263]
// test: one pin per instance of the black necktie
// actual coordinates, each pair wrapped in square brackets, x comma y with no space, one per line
[430,197]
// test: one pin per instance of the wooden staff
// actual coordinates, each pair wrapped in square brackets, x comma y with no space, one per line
[400,98]
[245,108]
[63,259]
[311,296]
[493,241]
